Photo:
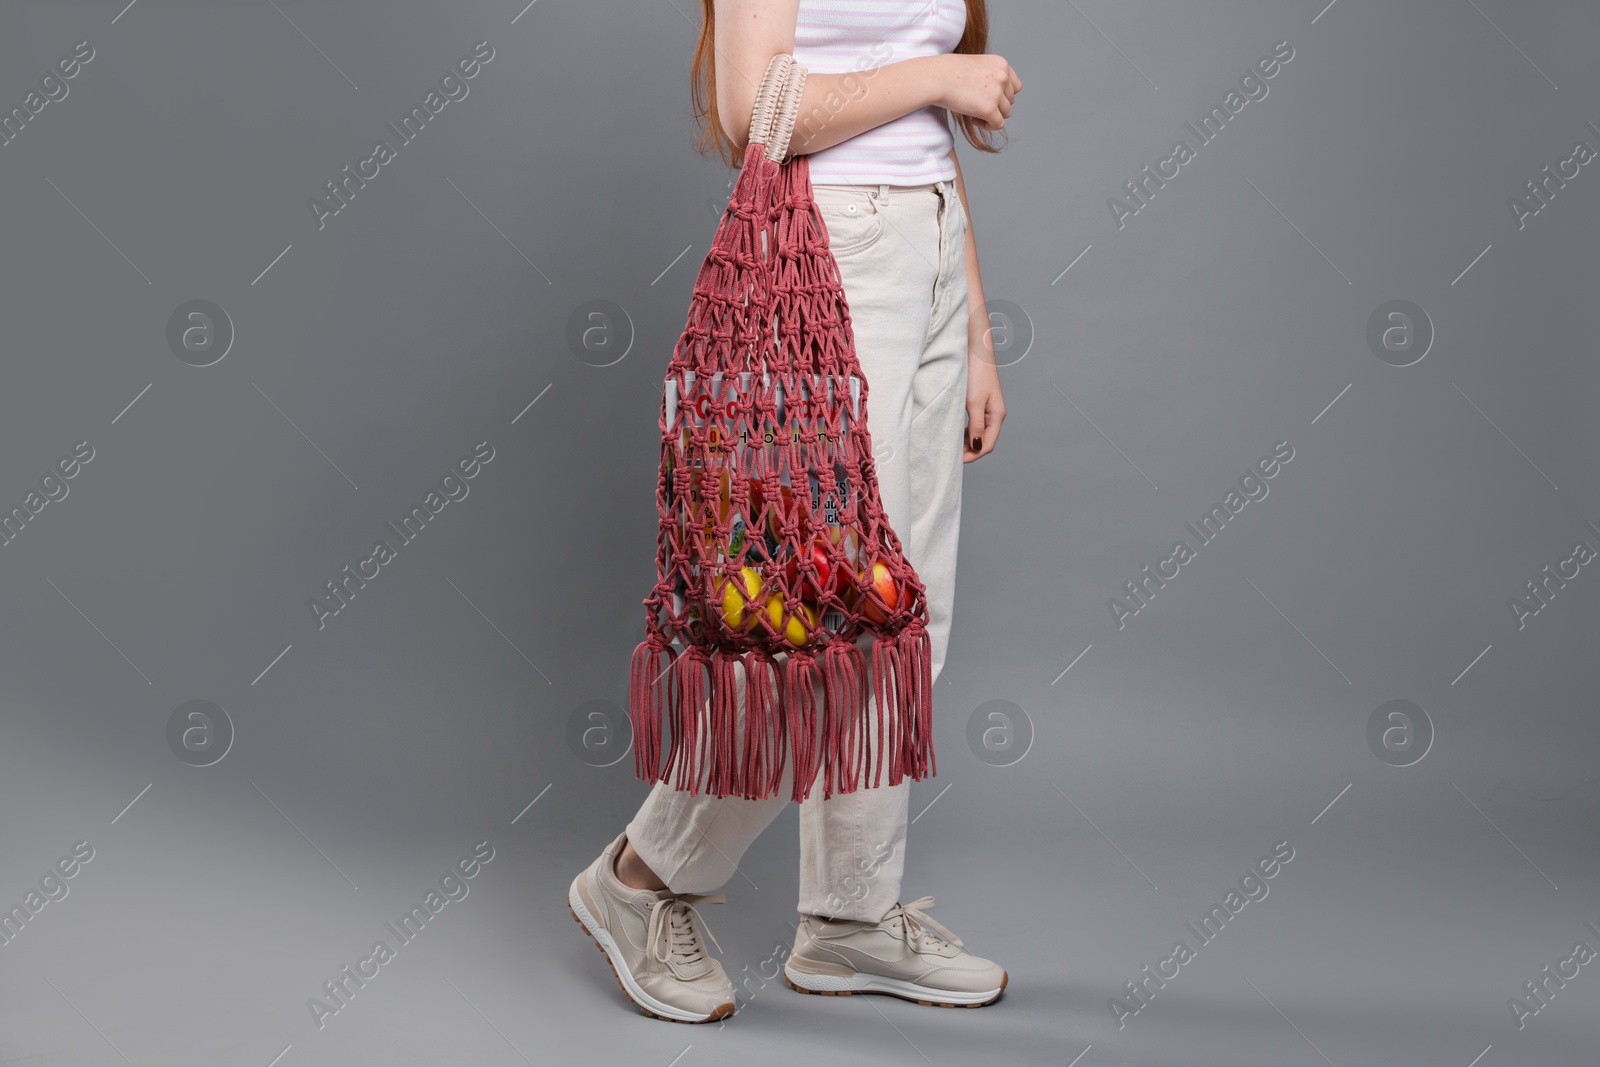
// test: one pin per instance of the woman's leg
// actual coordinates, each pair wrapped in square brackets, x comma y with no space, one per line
[939,403]
[901,258]
[693,844]
[850,843]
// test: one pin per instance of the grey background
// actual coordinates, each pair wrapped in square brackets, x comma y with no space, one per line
[1226,316]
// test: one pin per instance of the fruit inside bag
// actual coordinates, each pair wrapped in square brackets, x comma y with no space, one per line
[776,554]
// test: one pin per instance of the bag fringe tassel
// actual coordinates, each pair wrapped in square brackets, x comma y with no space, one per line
[844,713]
[649,695]
[688,700]
[916,667]
[724,770]
[765,736]
[800,716]
[695,695]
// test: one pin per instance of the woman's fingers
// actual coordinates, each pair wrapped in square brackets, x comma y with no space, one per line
[976,447]
[991,433]
[983,430]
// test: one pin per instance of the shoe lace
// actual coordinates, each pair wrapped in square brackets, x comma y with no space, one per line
[919,926]
[674,936]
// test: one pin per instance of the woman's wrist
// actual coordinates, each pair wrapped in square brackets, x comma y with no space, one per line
[980,346]
[978,324]
[933,74]
[922,79]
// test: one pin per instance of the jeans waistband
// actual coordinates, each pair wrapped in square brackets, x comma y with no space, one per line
[881,189]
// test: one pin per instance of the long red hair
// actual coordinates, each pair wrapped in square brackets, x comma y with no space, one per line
[703,85]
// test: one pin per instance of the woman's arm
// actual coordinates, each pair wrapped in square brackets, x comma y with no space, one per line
[836,107]
[986,405]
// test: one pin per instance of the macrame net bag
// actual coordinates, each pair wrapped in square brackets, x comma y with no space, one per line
[774,555]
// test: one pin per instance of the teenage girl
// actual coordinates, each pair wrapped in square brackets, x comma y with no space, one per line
[886,79]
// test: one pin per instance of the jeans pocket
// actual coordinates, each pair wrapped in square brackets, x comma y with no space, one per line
[852,217]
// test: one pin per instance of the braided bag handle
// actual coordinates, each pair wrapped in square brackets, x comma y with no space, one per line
[777,105]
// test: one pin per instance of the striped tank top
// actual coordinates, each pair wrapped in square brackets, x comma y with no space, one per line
[840,36]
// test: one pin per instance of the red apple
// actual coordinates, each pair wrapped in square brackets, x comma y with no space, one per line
[883,584]
[813,586]
[780,509]
[758,499]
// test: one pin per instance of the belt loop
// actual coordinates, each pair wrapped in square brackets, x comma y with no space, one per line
[883,191]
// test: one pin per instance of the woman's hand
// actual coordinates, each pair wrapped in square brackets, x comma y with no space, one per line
[981,86]
[986,405]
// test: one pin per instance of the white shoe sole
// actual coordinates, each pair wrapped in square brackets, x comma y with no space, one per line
[838,985]
[619,967]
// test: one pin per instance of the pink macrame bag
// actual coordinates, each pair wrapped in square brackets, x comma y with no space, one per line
[774,555]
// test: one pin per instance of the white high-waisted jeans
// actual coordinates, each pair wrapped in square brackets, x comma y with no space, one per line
[902,258]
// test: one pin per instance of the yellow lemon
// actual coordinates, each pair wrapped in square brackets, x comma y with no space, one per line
[733,601]
[794,631]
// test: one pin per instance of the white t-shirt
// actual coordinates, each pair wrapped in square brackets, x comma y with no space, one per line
[839,36]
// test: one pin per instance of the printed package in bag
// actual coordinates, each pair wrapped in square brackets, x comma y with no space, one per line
[774,558]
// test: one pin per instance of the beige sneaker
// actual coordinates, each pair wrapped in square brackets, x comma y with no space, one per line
[652,941]
[906,955]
